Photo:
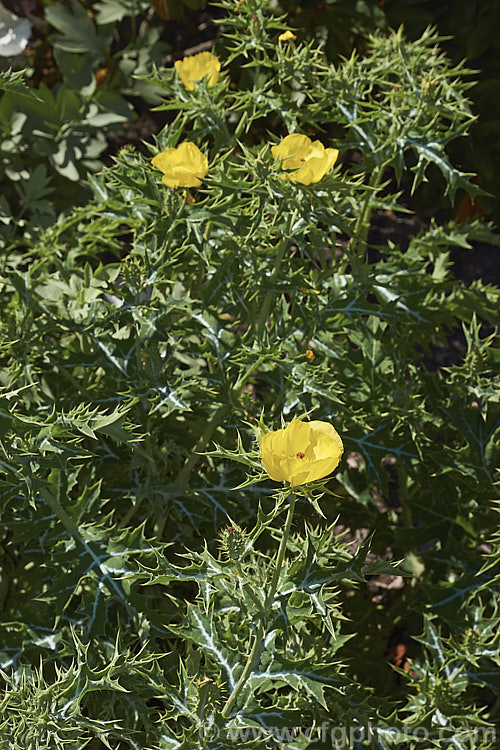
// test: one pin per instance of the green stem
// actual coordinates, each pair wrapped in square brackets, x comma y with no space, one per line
[221,412]
[218,118]
[202,443]
[252,660]
[277,265]
[281,553]
[241,382]
[193,458]
[494,710]
[261,630]
[359,239]
[403,496]
[72,528]
[130,513]
[248,589]
[59,511]
[412,558]
[241,125]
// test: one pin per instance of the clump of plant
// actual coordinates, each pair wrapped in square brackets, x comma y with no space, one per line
[187,359]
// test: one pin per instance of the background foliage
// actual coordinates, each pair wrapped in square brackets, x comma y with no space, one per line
[144,338]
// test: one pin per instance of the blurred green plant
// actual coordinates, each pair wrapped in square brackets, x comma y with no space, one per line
[152,335]
[170,9]
[53,136]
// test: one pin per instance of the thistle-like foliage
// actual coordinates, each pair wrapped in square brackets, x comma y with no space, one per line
[156,590]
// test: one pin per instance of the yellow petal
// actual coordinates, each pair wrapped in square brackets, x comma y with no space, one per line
[293,147]
[286,35]
[162,160]
[323,430]
[183,75]
[272,454]
[305,175]
[193,69]
[331,156]
[180,177]
[190,155]
[309,160]
[183,166]
[316,150]
[297,436]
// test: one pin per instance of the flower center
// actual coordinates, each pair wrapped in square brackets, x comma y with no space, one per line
[300,454]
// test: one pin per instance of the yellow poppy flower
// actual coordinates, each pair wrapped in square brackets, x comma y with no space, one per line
[302,452]
[193,69]
[310,160]
[285,36]
[183,166]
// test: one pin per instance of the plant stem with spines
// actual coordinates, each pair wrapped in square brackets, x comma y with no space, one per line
[360,235]
[261,630]
[211,427]
[274,275]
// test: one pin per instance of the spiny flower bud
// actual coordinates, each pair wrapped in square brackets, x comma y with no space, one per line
[233,541]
